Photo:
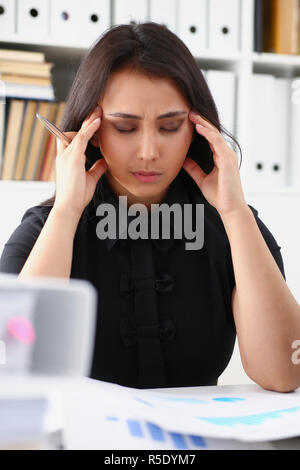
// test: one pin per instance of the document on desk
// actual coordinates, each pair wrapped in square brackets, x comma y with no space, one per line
[108,416]
[246,413]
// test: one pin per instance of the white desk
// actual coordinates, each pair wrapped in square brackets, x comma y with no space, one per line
[80,403]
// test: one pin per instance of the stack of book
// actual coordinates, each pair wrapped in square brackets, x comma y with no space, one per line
[25,74]
[277,26]
[27,149]
[32,422]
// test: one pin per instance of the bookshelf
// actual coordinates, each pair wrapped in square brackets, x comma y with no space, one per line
[244,63]
[66,56]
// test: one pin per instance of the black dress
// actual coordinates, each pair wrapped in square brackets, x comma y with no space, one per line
[164,313]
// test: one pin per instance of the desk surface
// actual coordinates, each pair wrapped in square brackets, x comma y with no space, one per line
[80,400]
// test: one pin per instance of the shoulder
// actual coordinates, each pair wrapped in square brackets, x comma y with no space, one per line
[30,225]
[36,213]
[22,239]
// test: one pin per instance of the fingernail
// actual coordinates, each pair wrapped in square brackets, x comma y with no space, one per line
[97,109]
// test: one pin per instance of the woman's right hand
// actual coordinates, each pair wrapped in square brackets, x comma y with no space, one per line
[75,186]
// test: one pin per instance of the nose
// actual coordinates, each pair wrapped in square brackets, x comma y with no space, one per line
[148,149]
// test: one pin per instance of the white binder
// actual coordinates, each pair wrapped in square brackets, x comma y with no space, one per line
[65,22]
[280,130]
[94,20]
[79,24]
[33,18]
[222,86]
[131,11]
[7,18]
[192,24]
[256,162]
[165,12]
[224,25]
[294,153]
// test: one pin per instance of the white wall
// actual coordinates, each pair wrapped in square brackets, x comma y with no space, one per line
[280,212]
[15,199]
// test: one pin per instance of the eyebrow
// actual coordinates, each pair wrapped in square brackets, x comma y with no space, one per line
[170,114]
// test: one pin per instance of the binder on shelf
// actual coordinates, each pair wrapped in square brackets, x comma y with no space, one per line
[222,86]
[280,131]
[78,24]
[286,24]
[14,126]
[50,153]
[95,19]
[164,13]
[7,18]
[130,12]
[30,110]
[280,24]
[224,25]
[258,25]
[268,21]
[298,29]
[259,135]
[33,18]
[294,154]
[2,132]
[36,140]
[192,24]
[265,167]
[52,109]
[65,21]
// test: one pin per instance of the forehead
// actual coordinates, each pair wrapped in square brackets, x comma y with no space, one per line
[133,88]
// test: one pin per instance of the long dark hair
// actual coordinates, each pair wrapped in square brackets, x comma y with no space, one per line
[156,51]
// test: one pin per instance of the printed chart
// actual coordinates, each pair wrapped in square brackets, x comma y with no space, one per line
[253,415]
[144,434]
[202,418]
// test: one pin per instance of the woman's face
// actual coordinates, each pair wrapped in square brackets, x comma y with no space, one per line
[135,136]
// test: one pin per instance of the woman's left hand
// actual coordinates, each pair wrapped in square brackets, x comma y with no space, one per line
[222,187]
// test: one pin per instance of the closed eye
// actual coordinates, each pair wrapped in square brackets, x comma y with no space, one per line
[162,129]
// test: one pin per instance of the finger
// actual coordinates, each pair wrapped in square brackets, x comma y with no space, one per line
[194,170]
[214,139]
[84,135]
[60,145]
[93,114]
[97,170]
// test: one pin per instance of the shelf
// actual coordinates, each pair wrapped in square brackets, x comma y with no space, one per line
[219,56]
[47,41]
[38,185]
[276,59]
[36,42]
[284,191]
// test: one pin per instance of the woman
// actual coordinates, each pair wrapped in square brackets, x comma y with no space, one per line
[167,316]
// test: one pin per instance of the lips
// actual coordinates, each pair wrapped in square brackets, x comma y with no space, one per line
[147,176]
[147,173]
